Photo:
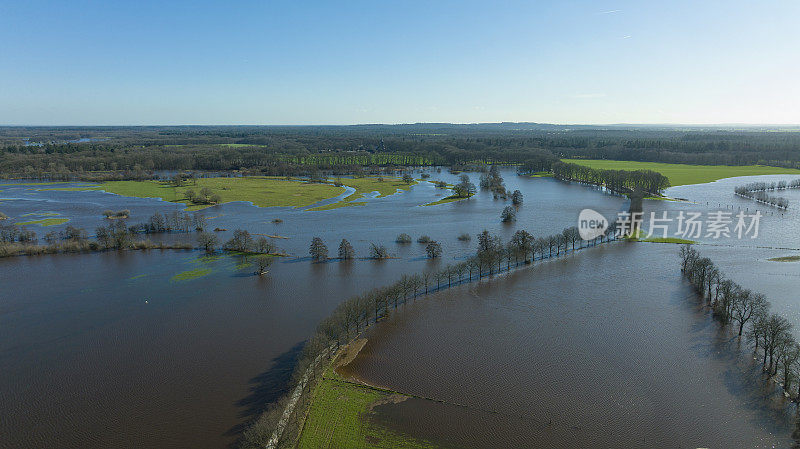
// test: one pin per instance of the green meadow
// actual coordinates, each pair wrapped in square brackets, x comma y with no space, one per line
[262,191]
[682,174]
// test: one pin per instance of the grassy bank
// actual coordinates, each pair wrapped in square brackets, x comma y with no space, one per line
[339,415]
[682,174]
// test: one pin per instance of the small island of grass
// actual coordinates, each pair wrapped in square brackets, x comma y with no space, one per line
[785,259]
[447,199]
[191,274]
[45,222]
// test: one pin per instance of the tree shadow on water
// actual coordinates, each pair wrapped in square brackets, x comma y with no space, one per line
[265,389]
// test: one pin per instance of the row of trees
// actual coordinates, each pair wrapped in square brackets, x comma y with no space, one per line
[318,250]
[17,240]
[758,191]
[749,315]
[765,198]
[621,181]
[171,222]
[355,314]
[765,186]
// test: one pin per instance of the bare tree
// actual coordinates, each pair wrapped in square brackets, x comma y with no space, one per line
[207,241]
[262,262]
[745,305]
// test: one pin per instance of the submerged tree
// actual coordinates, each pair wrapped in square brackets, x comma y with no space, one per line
[207,241]
[433,249]
[346,251]
[378,251]
[516,198]
[509,214]
[241,241]
[318,250]
[264,246]
[262,262]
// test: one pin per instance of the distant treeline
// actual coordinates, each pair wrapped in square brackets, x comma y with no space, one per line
[749,314]
[136,152]
[621,181]
[280,424]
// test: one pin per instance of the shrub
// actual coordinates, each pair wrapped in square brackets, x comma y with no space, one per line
[403,238]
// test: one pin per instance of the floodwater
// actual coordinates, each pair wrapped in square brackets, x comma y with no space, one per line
[101,350]
[604,348]
[109,349]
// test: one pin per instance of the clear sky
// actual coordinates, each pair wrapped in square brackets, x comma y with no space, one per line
[341,62]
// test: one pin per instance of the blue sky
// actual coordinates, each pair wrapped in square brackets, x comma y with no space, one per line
[308,62]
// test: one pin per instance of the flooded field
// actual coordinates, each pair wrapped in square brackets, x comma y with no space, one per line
[606,348]
[175,349]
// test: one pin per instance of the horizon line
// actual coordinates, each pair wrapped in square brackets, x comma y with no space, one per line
[402,124]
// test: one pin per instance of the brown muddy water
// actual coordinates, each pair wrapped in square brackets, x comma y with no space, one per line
[606,348]
[108,350]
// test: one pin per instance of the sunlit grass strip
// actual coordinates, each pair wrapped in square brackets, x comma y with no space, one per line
[448,199]
[191,274]
[45,222]
[785,259]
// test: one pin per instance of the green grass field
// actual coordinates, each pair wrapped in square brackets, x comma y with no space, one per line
[682,174]
[261,191]
[339,418]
